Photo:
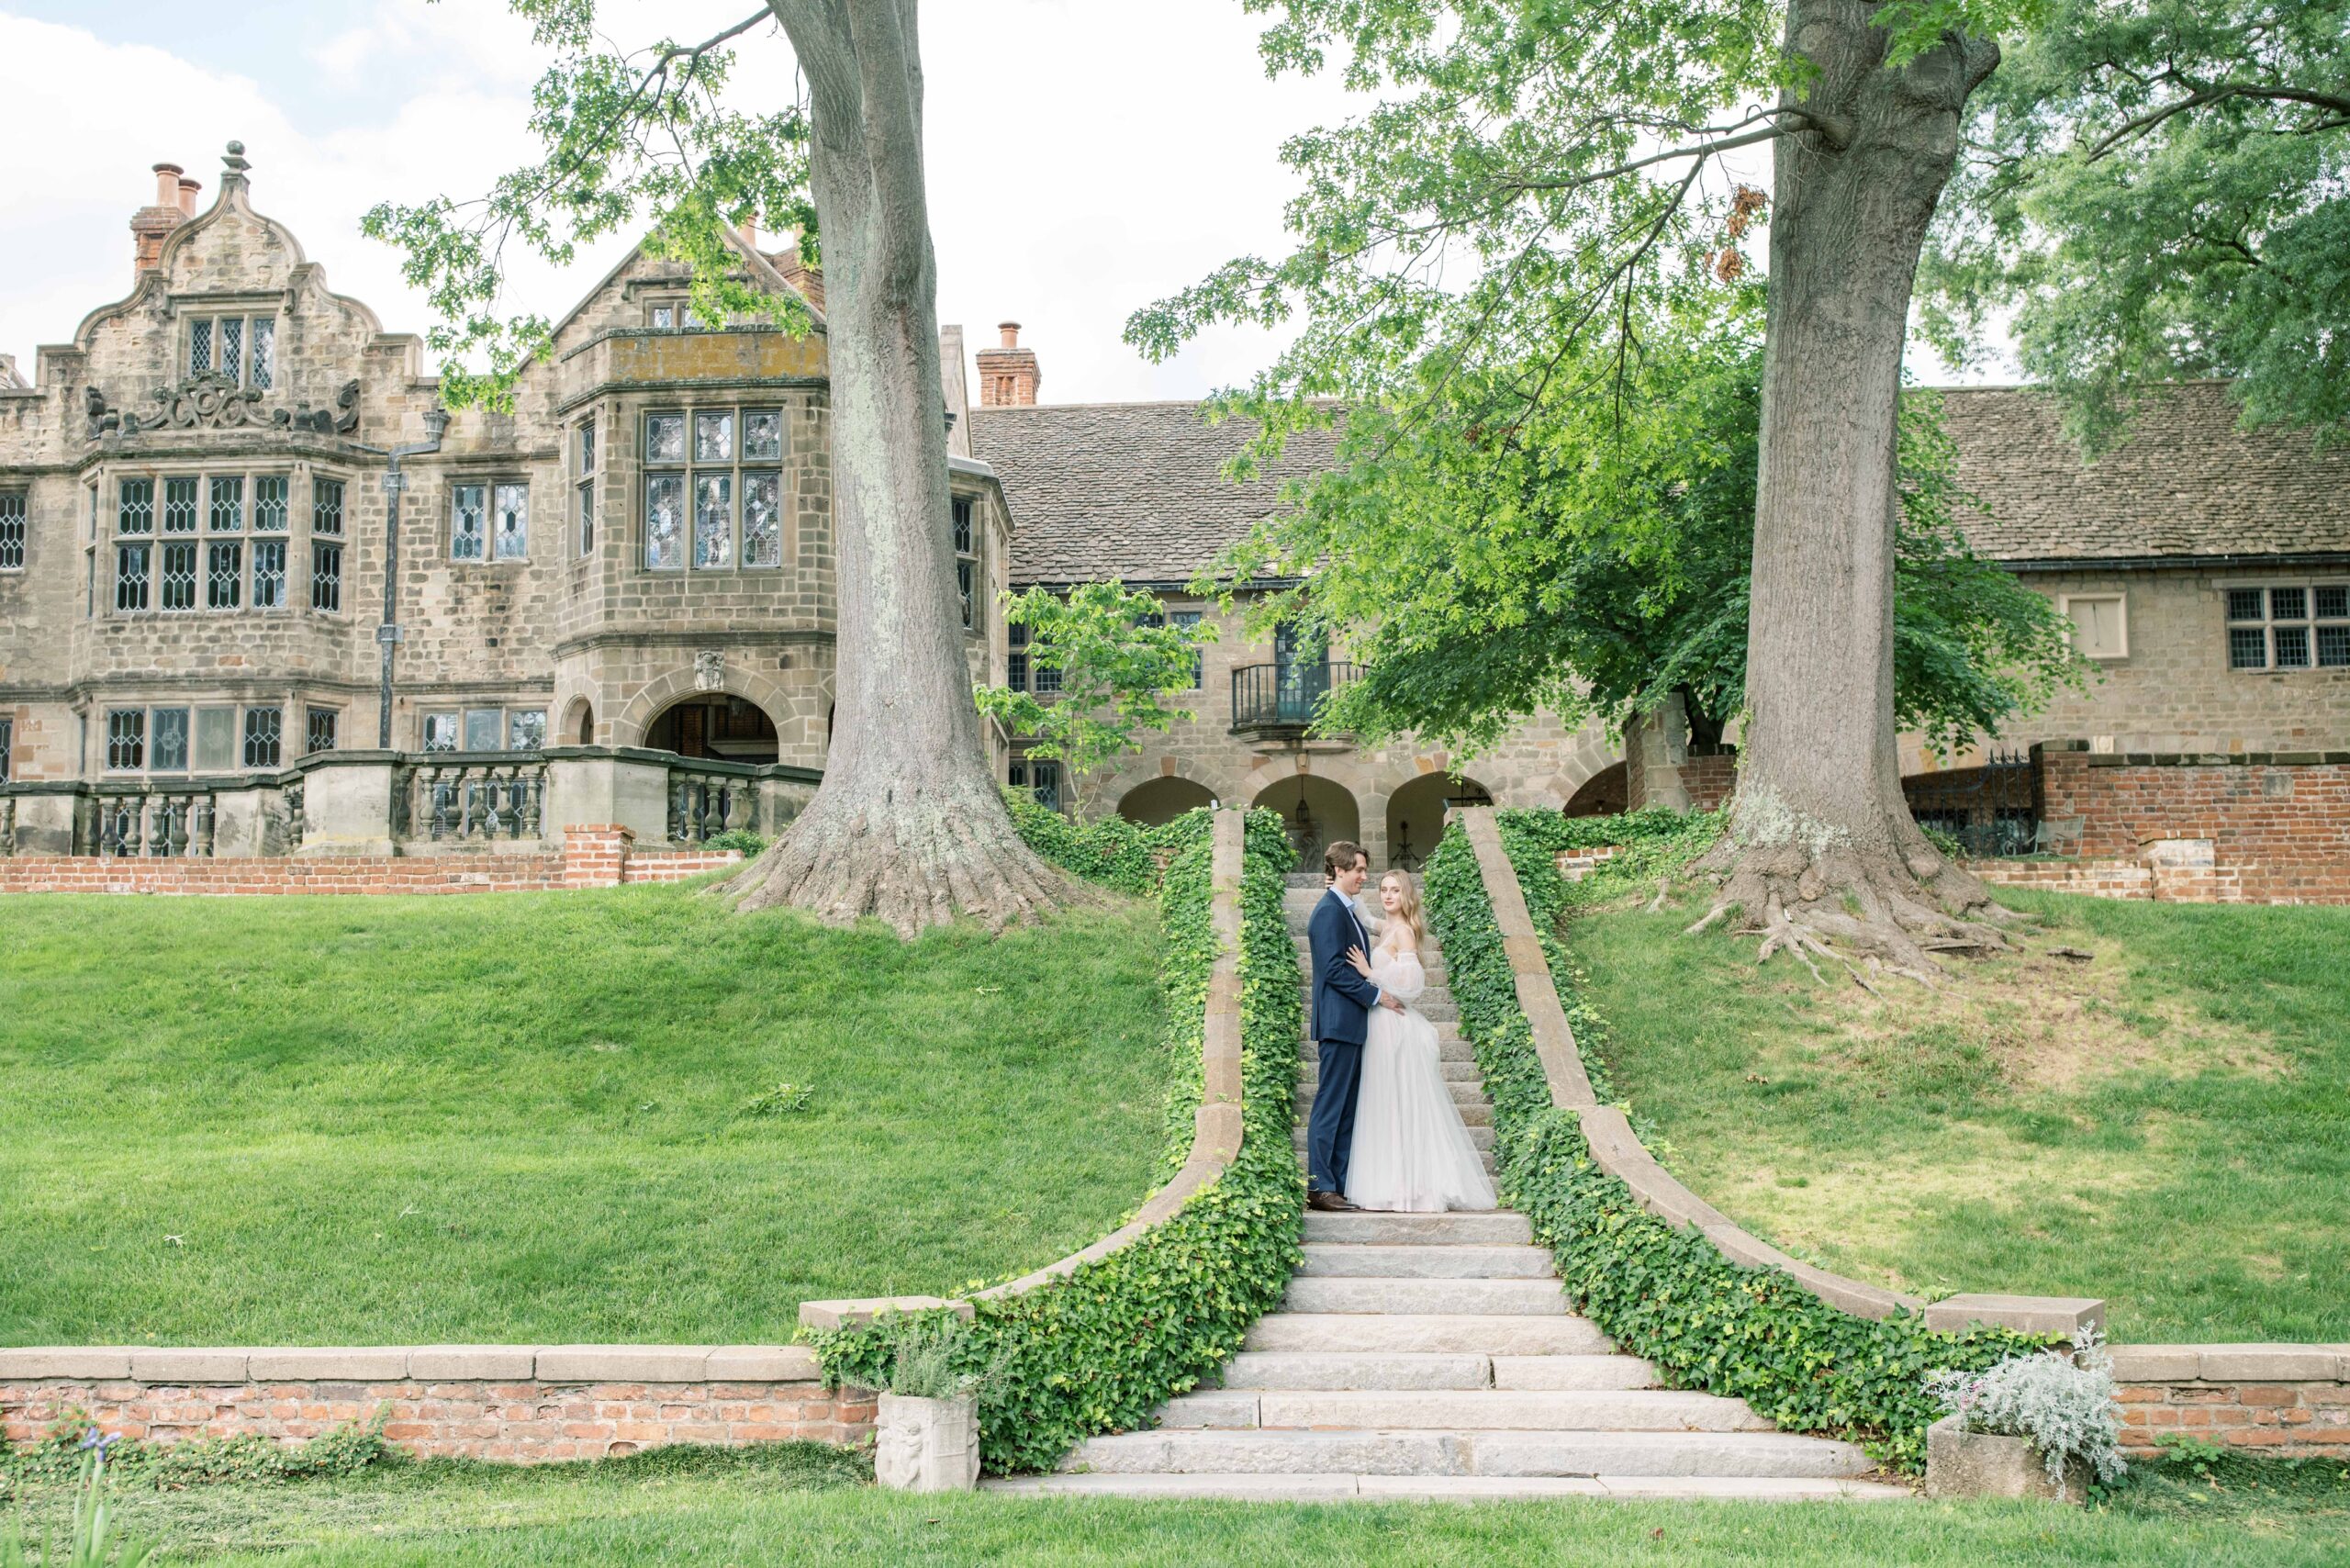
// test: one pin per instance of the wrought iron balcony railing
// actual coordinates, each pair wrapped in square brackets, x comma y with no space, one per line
[1283,696]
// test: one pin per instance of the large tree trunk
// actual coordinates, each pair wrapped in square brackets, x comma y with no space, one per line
[908,824]
[1821,844]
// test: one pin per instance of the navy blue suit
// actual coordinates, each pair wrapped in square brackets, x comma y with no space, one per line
[1342,1005]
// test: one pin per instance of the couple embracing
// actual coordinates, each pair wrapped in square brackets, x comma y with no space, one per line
[1384,1133]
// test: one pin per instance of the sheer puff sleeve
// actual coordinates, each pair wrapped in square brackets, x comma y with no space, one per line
[1399,976]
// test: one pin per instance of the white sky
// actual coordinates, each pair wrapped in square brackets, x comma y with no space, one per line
[1086,157]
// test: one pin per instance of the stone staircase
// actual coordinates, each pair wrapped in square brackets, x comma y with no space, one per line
[1434,1357]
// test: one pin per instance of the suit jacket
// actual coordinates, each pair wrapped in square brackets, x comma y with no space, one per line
[1342,999]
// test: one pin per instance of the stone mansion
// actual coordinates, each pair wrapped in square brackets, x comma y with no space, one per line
[250,571]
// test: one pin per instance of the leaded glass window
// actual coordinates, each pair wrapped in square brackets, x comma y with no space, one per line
[526,729]
[319,730]
[264,351]
[269,574]
[126,739]
[664,523]
[468,522]
[12,531]
[1016,661]
[199,345]
[243,349]
[482,726]
[714,437]
[269,503]
[326,576]
[511,522]
[762,435]
[440,732]
[179,504]
[168,753]
[763,520]
[179,574]
[713,519]
[1190,618]
[215,739]
[228,503]
[2289,627]
[232,348]
[967,562]
[224,573]
[1041,778]
[130,576]
[8,746]
[665,438]
[326,506]
[135,513]
[263,732]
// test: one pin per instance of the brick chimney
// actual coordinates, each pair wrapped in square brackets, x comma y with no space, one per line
[1008,374]
[150,225]
[187,194]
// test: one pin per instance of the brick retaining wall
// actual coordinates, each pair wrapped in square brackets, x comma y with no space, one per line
[2290,1400]
[593,856]
[520,1402]
[2279,821]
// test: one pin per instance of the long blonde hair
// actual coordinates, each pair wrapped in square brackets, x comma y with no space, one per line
[1408,907]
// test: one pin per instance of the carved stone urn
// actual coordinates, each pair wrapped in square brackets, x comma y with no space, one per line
[927,1445]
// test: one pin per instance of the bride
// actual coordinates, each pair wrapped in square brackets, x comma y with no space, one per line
[1411,1152]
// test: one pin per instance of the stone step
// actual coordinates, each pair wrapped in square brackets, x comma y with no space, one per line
[1489,1334]
[1452,1409]
[1487,1227]
[1463,1071]
[1449,1047]
[1438,1452]
[1281,1488]
[1481,1135]
[1467,1098]
[1405,1261]
[1293,1371]
[1530,1298]
[1275,1487]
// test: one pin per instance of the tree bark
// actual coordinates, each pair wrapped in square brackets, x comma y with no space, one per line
[1821,848]
[908,823]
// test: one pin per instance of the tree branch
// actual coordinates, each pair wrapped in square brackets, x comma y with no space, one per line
[2332,103]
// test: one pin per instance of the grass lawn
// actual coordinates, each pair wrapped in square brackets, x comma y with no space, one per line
[522,1117]
[808,1506]
[2166,1124]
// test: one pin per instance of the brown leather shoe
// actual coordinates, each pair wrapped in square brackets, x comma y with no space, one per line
[1330,1203]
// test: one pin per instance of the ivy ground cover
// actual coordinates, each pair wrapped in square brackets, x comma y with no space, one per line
[549,1117]
[2164,1123]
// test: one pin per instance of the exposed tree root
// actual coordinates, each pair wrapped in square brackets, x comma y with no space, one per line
[1872,915]
[909,858]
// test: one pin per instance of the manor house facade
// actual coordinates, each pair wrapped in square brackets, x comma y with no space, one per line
[204,600]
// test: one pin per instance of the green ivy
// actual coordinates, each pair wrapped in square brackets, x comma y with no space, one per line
[1111,851]
[58,1456]
[1659,1291]
[1102,1347]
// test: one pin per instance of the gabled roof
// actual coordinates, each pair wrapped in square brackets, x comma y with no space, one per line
[2186,483]
[1129,490]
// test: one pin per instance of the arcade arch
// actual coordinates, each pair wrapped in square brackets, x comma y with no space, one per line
[1416,816]
[1156,801]
[1317,811]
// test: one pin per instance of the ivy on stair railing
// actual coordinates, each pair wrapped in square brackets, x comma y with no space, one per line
[1661,1291]
[1100,1348]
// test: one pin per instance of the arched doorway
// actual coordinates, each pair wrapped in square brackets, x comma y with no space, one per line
[1603,794]
[579,723]
[1416,816]
[1317,811]
[1157,801]
[715,724]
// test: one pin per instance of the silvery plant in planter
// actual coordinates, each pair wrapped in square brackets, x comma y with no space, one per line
[2038,1425]
[927,1438]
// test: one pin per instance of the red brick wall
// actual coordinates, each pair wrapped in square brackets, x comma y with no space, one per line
[2280,1399]
[2279,823]
[594,856]
[1709,779]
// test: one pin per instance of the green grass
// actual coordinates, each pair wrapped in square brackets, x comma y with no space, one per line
[2165,1126]
[800,1505]
[520,1117]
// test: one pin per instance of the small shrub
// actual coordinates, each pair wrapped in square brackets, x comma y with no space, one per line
[781,1101]
[2064,1404]
[247,1457]
[751,844]
[937,1355]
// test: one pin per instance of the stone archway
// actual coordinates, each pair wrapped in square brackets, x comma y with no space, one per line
[718,725]
[793,713]
[1317,810]
[579,723]
[1156,801]
[1602,794]
[1416,814]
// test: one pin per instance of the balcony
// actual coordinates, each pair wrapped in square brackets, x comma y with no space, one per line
[1282,699]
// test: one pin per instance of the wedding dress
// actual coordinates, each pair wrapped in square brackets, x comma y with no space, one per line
[1411,1152]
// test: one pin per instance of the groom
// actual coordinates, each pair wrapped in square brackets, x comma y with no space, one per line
[1342,1005]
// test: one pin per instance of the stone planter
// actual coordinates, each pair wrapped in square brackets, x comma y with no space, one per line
[1960,1464]
[927,1445]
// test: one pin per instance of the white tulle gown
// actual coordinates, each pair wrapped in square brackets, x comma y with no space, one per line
[1411,1153]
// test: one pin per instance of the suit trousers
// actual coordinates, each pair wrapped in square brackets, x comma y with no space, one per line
[1330,1130]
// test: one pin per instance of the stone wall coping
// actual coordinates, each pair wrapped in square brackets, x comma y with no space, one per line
[2231,1363]
[1215,1126]
[233,1366]
[1614,1146]
[2065,1317]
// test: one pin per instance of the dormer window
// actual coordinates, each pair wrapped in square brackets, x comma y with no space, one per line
[242,348]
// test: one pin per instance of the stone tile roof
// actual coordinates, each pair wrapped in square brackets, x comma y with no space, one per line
[2187,481]
[1130,490]
[1136,491]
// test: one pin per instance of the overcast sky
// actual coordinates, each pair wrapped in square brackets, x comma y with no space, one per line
[1086,157]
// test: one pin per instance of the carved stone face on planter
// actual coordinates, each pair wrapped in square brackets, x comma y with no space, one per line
[927,1445]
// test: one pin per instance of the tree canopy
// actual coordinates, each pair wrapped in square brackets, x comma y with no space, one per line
[2156,190]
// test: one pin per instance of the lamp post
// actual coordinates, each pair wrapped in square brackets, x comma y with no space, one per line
[388,635]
